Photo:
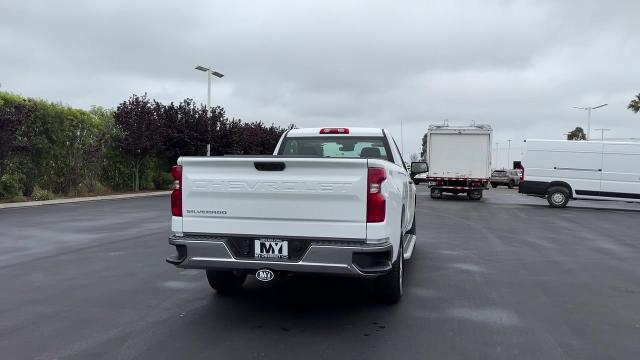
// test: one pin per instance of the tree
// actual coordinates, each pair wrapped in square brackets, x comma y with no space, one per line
[14,111]
[84,133]
[634,105]
[139,128]
[185,129]
[423,152]
[577,134]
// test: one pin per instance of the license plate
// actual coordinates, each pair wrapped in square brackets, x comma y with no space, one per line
[271,249]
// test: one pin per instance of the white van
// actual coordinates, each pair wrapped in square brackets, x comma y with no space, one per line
[561,170]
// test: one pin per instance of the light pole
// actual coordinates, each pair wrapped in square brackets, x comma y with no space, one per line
[589,108]
[209,72]
[509,153]
[602,133]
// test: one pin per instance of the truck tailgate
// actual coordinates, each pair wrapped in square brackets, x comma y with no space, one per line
[297,197]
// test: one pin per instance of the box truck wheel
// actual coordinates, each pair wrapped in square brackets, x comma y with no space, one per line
[475,194]
[436,193]
[226,282]
[558,197]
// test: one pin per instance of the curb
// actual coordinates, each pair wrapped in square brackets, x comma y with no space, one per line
[83,199]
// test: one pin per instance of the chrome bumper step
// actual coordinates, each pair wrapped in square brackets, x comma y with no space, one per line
[409,244]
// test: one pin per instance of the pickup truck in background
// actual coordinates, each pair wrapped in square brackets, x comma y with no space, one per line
[335,201]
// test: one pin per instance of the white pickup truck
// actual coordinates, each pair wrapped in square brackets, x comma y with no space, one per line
[333,201]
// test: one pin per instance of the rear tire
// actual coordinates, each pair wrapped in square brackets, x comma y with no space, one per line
[494,185]
[389,286]
[436,193]
[226,282]
[511,184]
[475,194]
[558,197]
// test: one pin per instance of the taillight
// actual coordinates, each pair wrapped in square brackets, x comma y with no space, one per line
[376,203]
[176,194]
[334,131]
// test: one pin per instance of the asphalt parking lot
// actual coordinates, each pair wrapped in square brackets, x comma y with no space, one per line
[502,278]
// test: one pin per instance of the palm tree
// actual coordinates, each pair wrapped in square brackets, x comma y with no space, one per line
[634,105]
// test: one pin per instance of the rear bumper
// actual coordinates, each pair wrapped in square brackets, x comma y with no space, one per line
[322,257]
[446,183]
[537,188]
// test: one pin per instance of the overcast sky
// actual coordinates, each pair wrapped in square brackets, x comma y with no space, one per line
[517,65]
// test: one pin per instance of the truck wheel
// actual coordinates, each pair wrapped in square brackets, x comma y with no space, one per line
[511,184]
[389,286]
[494,185]
[475,194]
[558,197]
[226,282]
[436,193]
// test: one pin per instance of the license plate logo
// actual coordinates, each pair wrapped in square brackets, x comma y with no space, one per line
[271,249]
[264,275]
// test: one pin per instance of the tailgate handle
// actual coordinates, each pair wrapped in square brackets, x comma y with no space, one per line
[269,166]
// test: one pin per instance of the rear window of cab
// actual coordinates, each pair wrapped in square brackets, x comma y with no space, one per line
[370,147]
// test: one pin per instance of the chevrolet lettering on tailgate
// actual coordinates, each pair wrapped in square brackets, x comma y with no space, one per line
[270,186]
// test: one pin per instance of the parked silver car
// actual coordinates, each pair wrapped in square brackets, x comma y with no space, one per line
[509,178]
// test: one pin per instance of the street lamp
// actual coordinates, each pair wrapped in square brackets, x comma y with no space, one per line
[209,72]
[589,108]
[509,154]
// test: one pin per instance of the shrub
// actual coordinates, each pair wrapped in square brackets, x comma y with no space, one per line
[92,187]
[97,188]
[10,186]
[163,181]
[42,194]
[82,189]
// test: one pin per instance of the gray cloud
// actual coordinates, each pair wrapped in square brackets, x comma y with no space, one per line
[518,65]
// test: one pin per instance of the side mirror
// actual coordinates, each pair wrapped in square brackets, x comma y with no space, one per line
[418,167]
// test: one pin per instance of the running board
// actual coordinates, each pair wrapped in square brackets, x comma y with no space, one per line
[409,244]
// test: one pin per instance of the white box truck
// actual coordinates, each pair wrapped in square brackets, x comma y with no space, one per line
[561,170]
[459,159]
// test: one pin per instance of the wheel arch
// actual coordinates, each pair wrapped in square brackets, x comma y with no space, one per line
[560,184]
